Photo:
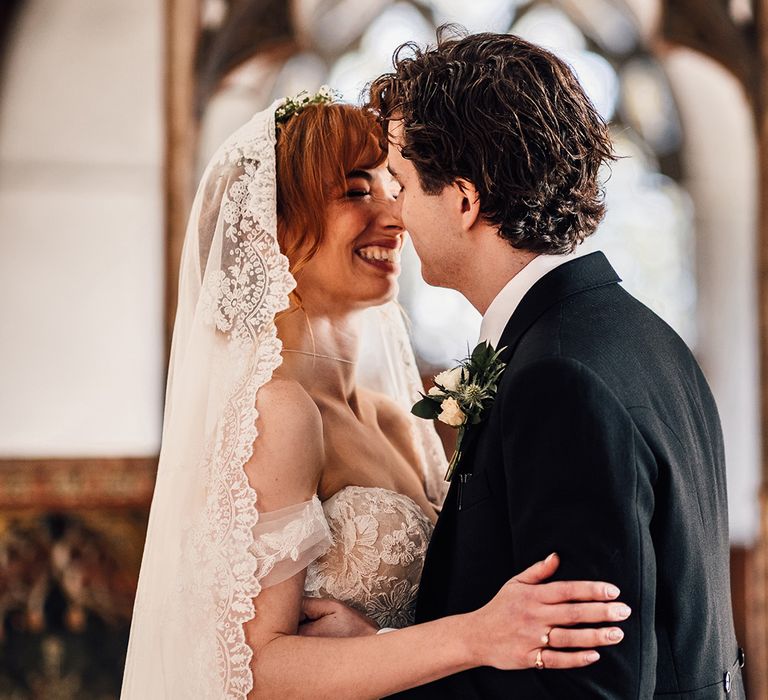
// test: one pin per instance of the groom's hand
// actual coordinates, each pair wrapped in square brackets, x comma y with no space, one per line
[326,617]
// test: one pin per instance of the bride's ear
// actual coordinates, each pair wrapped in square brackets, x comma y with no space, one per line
[470,203]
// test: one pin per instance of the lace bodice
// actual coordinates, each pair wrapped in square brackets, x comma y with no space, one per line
[374,564]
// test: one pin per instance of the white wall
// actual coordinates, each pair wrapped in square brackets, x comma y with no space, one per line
[721,162]
[81,237]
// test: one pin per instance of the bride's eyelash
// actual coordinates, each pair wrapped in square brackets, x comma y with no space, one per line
[358,193]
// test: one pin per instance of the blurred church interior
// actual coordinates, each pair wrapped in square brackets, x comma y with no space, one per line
[109,109]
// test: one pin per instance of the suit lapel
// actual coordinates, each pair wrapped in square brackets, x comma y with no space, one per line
[579,275]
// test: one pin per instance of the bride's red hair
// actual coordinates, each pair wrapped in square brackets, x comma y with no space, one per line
[316,150]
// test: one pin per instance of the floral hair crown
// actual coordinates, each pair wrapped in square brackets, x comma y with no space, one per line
[294,105]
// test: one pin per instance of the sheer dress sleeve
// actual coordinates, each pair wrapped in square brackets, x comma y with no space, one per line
[288,540]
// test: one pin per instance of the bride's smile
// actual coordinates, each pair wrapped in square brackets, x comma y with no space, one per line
[357,262]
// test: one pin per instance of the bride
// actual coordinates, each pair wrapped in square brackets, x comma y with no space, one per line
[290,466]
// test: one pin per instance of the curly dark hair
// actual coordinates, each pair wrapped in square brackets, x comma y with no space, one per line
[509,117]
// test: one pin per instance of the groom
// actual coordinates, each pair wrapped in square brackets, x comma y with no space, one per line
[603,443]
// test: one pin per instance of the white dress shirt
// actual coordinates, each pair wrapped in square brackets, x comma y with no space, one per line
[507,300]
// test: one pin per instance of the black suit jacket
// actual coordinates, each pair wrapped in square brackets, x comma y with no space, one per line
[604,445]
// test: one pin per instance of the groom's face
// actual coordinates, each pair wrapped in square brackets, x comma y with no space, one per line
[429,218]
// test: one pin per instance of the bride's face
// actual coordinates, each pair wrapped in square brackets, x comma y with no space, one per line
[358,261]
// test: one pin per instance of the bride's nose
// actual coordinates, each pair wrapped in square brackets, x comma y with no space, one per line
[390,216]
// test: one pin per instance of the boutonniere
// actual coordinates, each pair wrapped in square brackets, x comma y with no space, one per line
[462,395]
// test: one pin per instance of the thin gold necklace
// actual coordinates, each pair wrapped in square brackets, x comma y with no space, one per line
[316,354]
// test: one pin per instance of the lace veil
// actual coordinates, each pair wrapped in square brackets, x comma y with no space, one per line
[208,550]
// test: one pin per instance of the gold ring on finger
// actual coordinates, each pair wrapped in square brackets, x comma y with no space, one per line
[545,638]
[539,661]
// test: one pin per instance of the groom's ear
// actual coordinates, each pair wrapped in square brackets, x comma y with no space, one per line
[470,202]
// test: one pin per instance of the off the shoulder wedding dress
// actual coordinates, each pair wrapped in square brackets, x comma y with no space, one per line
[364,546]
[380,539]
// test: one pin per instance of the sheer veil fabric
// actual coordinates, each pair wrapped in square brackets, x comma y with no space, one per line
[208,550]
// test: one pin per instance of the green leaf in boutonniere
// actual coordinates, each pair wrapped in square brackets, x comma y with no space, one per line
[462,395]
[426,408]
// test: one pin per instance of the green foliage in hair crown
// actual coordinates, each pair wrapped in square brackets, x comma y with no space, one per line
[294,105]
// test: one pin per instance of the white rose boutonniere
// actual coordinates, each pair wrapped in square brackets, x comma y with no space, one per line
[461,395]
[451,413]
[451,379]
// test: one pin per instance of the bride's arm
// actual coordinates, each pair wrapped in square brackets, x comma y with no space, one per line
[505,633]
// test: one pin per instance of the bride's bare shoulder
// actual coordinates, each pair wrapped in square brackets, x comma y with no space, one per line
[288,452]
[288,397]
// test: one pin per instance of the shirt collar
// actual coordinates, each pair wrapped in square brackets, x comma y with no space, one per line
[507,300]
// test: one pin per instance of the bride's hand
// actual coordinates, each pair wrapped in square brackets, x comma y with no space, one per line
[326,617]
[527,616]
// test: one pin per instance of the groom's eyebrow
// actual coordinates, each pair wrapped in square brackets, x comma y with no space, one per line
[392,172]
